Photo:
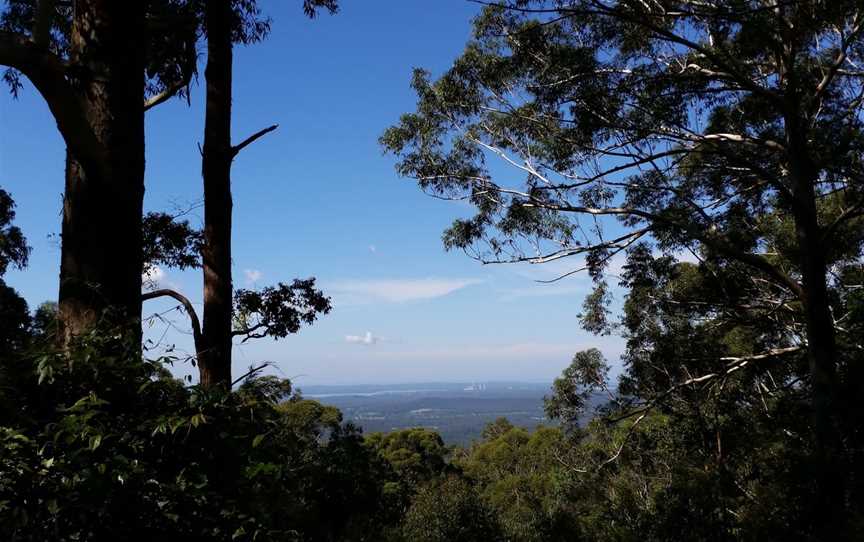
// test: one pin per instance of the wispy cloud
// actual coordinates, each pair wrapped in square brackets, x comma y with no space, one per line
[367,339]
[252,276]
[396,290]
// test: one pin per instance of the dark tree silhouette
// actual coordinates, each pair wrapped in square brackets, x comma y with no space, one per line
[275,311]
[99,65]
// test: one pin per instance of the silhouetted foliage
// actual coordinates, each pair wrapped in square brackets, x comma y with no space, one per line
[13,247]
[278,311]
[171,242]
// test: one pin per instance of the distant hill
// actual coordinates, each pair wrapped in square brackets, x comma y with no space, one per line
[458,411]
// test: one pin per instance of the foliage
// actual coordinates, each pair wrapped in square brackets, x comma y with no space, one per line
[278,311]
[587,374]
[449,510]
[100,444]
[520,479]
[417,455]
[170,242]
[723,132]
[13,246]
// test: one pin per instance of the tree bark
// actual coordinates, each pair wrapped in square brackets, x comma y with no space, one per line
[101,256]
[828,506]
[215,360]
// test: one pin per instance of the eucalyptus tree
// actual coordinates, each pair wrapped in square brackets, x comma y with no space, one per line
[731,130]
[274,311]
[99,65]
[14,251]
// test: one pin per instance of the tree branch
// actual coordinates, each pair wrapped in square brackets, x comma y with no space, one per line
[48,74]
[708,238]
[250,332]
[251,372]
[733,364]
[187,305]
[42,23]
[167,94]
[838,62]
[235,150]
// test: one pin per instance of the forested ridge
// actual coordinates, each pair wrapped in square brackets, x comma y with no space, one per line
[702,158]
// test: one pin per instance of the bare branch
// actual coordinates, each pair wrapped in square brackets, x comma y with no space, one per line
[838,62]
[734,364]
[187,305]
[251,372]
[168,93]
[250,332]
[251,139]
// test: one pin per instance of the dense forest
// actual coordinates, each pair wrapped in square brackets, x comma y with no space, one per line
[714,146]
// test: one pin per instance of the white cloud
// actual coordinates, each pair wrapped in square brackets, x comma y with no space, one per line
[373,249]
[367,339]
[252,276]
[397,290]
[154,277]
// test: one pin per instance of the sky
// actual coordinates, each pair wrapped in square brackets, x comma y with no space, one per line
[317,197]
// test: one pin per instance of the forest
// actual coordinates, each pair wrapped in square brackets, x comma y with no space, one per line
[715,148]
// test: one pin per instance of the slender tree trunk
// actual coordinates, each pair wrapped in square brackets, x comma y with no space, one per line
[101,255]
[215,360]
[821,351]
[828,507]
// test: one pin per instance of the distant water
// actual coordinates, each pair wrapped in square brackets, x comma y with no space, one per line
[458,411]
[366,394]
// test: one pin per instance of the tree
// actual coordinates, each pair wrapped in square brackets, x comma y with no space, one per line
[13,251]
[417,454]
[518,476]
[227,23]
[587,374]
[13,246]
[94,62]
[276,311]
[699,127]
[450,509]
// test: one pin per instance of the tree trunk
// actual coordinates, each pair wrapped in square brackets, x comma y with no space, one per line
[821,352]
[102,210]
[828,506]
[215,360]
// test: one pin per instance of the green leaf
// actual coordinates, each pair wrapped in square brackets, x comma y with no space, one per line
[257,440]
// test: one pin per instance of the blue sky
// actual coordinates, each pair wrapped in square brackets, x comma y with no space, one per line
[318,198]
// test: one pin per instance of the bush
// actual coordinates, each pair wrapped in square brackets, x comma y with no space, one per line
[103,445]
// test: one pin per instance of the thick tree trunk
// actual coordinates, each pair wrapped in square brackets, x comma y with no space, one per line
[215,360]
[102,210]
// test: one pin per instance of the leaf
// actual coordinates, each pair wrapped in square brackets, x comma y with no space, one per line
[197,420]
[95,441]
[257,440]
